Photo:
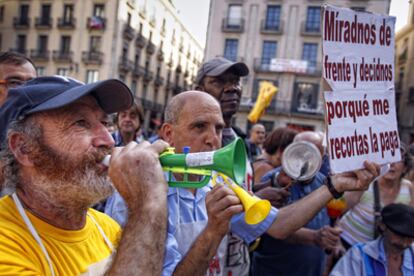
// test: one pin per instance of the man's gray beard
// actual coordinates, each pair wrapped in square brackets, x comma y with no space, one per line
[82,191]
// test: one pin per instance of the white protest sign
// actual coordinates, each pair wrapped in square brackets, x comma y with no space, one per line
[358,49]
[361,126]
[358,65]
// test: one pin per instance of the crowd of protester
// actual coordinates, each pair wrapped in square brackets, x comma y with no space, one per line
[55,132]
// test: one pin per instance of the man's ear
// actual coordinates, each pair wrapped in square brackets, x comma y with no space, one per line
[167,132]
[18,146]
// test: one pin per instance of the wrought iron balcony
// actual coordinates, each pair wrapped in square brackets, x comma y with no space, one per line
[128,32]
[21,22]
[43,22]
[66,23]
[125,65]
[140,41]
[92,57]
[150,48]
[268,28]
[158,80]
[138,71]
[39,54]
[62,55]
[229,25]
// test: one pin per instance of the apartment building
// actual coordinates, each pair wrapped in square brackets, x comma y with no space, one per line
[404,83]
[140,42]
[280,41]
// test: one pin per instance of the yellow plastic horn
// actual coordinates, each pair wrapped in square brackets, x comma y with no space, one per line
[255,209]
[266,92]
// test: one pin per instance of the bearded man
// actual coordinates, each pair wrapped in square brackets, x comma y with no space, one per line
[55,142]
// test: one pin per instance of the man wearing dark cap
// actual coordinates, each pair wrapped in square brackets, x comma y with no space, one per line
[221,78]
[390,254]
[52,150]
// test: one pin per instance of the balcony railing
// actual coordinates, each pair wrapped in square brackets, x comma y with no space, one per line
[19,50]
[138,71]
[96,23]
[43,22]
[128,32]
[310,30]
[267,28]
[125,65]
[148,75]
[39,54]
[228,26]
[66,23]
[62,55]
[92,57]
[140,41]
[299,67]
[21,22]
[160,55]
[150,48]
[158,80]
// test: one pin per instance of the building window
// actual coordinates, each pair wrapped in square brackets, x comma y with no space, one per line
[67,13]
[62,72]
[92,76]
[95,43]
[40,71]
[45,15]
[42,43]
[313,19]
[230,49]
[1,13]
[234,16]
[24,15]
[272,18]
[310,54]
[305,97]
[268,51]
[99,10]
[21,44]
[65,44]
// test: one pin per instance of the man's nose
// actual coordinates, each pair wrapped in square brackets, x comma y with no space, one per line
[102,137]
[212,138]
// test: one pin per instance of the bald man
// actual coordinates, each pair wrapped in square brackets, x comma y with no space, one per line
[255,141]
[200,220]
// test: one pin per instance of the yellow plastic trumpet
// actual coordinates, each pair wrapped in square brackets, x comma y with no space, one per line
[255,209]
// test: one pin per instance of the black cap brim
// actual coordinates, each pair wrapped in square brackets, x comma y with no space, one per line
[239,68]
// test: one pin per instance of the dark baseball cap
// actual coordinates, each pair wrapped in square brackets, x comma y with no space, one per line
[47,93]
[399,218]
[217,66]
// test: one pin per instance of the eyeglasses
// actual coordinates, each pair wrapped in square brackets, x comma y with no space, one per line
[12,83]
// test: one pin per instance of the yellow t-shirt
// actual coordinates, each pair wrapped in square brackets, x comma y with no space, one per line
[71,252]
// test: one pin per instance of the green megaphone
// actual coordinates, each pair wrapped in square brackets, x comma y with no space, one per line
[229,160]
